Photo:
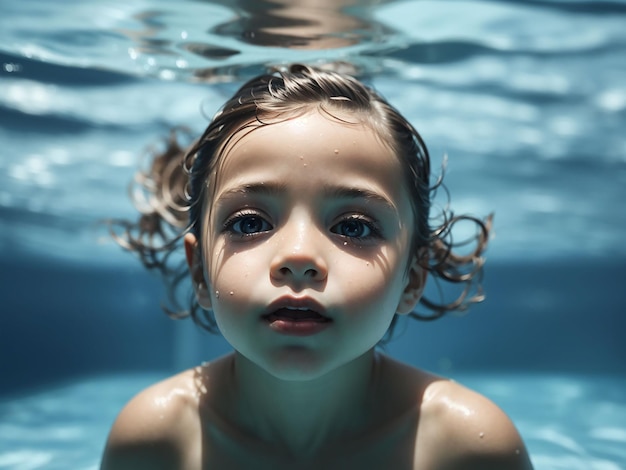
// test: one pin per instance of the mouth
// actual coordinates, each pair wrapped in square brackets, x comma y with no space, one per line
[297,316]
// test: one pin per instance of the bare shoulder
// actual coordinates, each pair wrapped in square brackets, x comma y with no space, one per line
[464,430]
[155,428]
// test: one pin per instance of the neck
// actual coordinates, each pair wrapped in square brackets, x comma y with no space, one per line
[303,416]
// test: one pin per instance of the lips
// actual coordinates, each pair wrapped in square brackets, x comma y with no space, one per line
[296,309]
[297,316]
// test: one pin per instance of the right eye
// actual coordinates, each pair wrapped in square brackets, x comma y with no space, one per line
[247,224]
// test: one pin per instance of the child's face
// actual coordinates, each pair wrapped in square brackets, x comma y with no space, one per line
[308,214]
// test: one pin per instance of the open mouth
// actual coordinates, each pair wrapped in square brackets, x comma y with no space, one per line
[297,315]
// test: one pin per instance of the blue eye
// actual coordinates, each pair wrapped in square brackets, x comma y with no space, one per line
[355,227]
[247,224]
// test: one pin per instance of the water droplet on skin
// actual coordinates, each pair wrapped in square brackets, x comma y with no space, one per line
[217,294]
[517,451]
[231,293]
[304,164]
[345,243]
[336,151]
[481,435]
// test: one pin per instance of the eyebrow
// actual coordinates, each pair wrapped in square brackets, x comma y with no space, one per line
[263,189]
[340,192]
[349,192]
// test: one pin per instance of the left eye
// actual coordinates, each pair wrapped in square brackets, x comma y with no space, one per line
[249,225]
[353,228]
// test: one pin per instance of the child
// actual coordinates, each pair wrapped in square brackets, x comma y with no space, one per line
[304,213]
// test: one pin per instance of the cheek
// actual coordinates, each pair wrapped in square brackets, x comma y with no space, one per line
[229,300]
[226,262]
[234,278]
[375,284]
[371,301]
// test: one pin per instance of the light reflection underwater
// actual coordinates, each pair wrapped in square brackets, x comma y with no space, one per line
[531,118]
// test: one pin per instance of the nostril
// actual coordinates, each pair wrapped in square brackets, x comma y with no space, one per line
[305,273]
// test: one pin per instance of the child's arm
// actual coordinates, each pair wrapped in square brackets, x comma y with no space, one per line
[152,430]
[467,431]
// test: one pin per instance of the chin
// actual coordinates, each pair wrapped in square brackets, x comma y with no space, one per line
[297,364]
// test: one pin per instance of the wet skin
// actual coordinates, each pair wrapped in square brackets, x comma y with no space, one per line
[318,222]
[304,260]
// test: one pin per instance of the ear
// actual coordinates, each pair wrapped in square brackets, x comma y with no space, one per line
[415,282]
[194,261]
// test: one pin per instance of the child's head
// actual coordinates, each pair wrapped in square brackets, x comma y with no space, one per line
[184,199]
[273,98]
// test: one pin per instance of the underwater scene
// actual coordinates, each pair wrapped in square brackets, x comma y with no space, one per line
[522,102]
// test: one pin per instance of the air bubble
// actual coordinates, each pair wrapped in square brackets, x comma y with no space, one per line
[9,67]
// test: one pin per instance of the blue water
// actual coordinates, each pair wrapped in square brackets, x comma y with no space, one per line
[569,422]
[527,100]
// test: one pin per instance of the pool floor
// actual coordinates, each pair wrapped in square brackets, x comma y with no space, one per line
[568,422]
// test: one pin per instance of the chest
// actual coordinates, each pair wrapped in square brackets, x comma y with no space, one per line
[391,447]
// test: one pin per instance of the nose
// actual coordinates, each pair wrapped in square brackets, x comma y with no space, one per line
[299,256]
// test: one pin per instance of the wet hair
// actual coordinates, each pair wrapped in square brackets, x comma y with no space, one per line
[171,194]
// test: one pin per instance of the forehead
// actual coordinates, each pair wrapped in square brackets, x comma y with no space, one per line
[309,149]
